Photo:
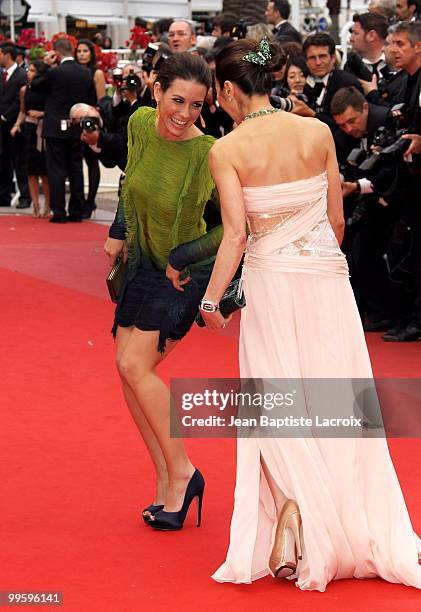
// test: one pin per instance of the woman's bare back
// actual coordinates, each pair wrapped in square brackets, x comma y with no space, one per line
[279,148]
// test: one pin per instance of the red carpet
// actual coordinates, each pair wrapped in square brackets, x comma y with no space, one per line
[75,474]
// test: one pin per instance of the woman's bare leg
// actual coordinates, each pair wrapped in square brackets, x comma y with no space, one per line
[34,191]
[46,190]
[137,365]
[278,496]
[151,442]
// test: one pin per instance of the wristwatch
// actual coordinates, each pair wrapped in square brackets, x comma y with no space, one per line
[208,306]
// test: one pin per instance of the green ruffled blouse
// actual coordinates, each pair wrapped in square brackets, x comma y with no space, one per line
[164,193]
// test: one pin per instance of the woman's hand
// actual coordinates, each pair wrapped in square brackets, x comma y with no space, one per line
[114,248]
[214,320]
[174,276]
[15,129]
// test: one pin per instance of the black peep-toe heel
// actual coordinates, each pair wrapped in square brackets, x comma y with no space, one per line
[172,521]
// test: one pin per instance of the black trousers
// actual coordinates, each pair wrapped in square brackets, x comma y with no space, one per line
[94,174]
[369,265]
[64,158]
[11,159]
[404,257]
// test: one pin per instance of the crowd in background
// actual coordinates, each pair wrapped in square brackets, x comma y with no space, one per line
[57,110]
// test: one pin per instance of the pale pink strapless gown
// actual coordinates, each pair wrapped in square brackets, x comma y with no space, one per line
[301,321]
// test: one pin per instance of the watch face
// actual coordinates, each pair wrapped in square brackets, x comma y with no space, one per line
[208,306]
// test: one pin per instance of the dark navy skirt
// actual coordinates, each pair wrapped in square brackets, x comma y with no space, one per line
[149,302]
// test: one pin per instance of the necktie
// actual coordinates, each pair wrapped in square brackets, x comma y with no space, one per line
[5,75]
[317,90]
[375,69]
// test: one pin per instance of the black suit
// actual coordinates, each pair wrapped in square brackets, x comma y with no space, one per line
[287,31]
[113,144]
[366,242]
[10,148]
[337,79]
[65,86]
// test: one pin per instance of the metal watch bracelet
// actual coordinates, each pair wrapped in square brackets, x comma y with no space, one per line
[208,306]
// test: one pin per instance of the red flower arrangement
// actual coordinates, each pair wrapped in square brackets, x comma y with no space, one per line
[138,39]
[49,43]
[28,39]
[105,62]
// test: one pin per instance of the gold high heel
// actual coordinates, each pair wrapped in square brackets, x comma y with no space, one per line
[279,564]
[35,210]
[47,211]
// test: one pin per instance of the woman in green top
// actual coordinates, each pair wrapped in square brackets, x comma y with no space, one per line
[166,188]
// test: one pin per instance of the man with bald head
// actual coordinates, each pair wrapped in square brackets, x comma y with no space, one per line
[181,36]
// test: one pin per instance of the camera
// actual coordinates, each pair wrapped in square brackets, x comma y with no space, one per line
[131,82]
[284,104]
[356,65]
[239,30]
[387,142]
[90,124]
[302,97]
[149,55]
[118,77]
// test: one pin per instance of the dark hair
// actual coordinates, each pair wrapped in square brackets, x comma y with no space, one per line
[298,61]
[320,40]
[372,21]
[92,60]
[344,97]
[417,4]
[225,21]
[63,46]
[250,78]
[162,25]
[106,40]
[291,48]
[20,50]
[283,7]
[221,42]
[140,23]
[40,66]
[9,48]
[184,66]
[413,29]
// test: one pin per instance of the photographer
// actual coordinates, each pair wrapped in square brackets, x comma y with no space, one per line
[404,253]
[369,217]
[367,40]
[324,79]
[372,62]
[64,85]
[111,145]
[130,89]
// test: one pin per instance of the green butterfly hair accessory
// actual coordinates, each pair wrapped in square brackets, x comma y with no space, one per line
[262,54]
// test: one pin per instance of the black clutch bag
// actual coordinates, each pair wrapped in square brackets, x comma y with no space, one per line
[116,278]
[232,300]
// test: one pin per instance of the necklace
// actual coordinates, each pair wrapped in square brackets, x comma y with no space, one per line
[262,112]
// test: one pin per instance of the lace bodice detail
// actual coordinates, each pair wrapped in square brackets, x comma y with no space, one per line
[287,208]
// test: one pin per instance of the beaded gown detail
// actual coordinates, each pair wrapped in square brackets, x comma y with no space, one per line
[301,321]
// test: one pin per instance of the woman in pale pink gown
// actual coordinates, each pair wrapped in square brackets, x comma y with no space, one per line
[311,509]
